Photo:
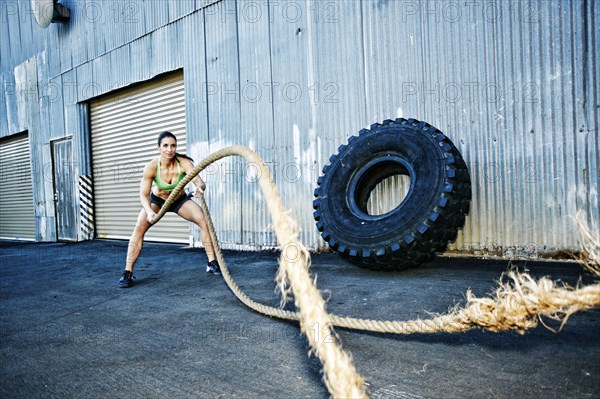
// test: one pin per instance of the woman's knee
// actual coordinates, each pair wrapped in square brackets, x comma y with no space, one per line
[201,222]
[199,219]
[141,227]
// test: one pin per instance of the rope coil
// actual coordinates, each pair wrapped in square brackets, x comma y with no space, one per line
[517,305]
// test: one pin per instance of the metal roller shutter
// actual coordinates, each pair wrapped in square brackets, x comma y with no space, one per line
[124,128]
[17,218]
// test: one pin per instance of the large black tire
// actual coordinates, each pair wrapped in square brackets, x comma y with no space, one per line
[422,224]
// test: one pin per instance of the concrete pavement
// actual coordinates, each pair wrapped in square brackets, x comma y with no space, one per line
[67,331]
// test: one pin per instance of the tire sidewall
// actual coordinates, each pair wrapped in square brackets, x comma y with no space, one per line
[422,156]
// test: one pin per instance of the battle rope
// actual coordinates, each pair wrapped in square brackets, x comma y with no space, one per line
[341,378]
[518,304]
[590,257]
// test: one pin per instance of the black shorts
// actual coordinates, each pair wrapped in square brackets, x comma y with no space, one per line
[175,206]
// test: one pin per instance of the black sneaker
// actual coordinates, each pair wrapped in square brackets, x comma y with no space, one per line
[127,280]
[213,267]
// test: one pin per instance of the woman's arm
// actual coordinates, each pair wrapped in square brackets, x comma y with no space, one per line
[146,187]
[187,167]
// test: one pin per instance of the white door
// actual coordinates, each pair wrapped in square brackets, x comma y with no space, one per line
[17,218]
[124,129]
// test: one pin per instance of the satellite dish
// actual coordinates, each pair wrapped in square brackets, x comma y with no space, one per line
[48,11]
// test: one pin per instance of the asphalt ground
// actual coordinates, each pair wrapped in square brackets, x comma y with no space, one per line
[67,331]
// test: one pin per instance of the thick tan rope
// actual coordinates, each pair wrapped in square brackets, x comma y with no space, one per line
[341,377]
[518,304]
[590,243]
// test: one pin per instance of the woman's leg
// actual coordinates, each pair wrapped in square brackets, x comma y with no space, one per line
[192,212]
[137,238]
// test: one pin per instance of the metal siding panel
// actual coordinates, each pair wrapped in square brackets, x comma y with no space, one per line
[97,40]
[141,57]
[387,73]
[100,76]
[56,106]
[118,22]
[137,114]
[195,85]
[497,174]
[159,44]
[399,59]
[515,141]
[558,145]
[179,29]
[195,95]
[5,104]
[40,124]
[135,21]
[64,42]
[567,110]
[512,123]
[532,111]
[155,14]
[6,47]
[50,92]
[11,103]
[203,4]
[337,93]
[69,92]
[589,129]
[292,37]
[175,50]
[64,181]
[14,36]
[17,220]
[120,66]
[256,112]
[222,71]
[53,50]
[98,22]
[545,134]
[166,48]
[26,43]
[181,8]
[85,82]
[486,79]
[593,108]
[78,29]
[76,121]
[26,93]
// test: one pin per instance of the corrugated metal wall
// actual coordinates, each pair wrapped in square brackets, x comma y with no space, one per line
[513,83]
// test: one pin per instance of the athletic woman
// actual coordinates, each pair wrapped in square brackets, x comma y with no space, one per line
[166,171]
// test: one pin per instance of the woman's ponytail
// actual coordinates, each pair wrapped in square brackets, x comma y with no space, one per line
[178,155]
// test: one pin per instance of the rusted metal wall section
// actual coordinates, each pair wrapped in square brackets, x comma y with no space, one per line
[514,84]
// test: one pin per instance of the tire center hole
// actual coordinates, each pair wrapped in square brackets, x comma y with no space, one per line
[380,186]
[388,194]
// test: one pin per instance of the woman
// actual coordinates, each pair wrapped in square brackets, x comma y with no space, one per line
[166,171]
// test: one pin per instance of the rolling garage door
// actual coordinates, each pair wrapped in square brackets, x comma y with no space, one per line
[124,129]
[17,219]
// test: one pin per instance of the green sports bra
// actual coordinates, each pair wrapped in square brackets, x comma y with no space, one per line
[166,186]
